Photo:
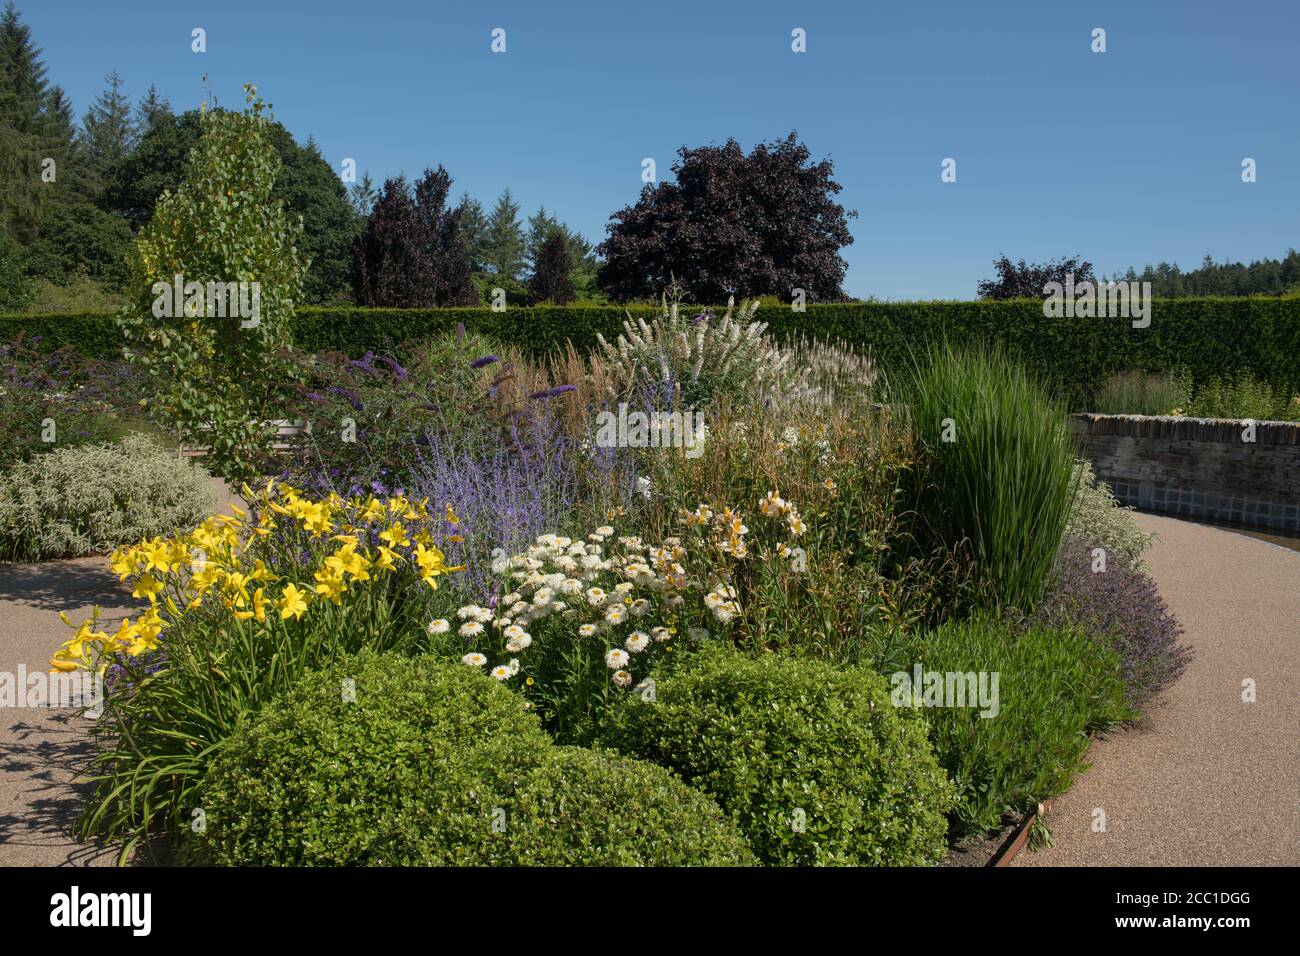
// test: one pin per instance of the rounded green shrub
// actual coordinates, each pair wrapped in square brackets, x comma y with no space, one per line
[90,499]
[435,764]
[596,808]
[812,761]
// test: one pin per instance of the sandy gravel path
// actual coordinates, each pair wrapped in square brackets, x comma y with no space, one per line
[1207,779]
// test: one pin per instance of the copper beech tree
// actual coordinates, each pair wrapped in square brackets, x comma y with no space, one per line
[765,223]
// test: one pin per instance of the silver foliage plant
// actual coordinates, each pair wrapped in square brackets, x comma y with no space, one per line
[90,499]
[1098,516]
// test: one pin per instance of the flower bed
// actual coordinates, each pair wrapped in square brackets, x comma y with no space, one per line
[717,635]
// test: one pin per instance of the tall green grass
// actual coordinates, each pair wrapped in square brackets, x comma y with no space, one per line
[999,477]
[1140,393]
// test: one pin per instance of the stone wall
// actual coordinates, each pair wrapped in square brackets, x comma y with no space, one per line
[1198,467]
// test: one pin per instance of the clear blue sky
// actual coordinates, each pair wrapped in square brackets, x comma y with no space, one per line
[1124,158]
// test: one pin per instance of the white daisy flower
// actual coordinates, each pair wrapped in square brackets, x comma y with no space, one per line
[587,630]
[440,626]
[604,531]
[468,611]
[637,642]
[471,629]
[501,672]
[615,658]
[474,660]
[517,644]
[616,614]
[622,678]
[596,596]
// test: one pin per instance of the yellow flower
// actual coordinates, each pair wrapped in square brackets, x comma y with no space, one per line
[157,554]
[124,637]
[147,586]
[396,536]
[203,581]
[145,641]
[260,572]
[431,562]
[259,607]
[451,515]
[330,586]
[149,626]
[122,563]
[387,559]
[292,603]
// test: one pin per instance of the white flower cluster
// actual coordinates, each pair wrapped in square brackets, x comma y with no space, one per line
[673,347]
[598,585]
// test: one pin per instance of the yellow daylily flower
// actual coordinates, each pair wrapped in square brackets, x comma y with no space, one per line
[147,586]
[293,603]
[331,587]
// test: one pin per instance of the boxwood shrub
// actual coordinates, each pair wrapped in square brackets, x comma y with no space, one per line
[434,764]
[810,760]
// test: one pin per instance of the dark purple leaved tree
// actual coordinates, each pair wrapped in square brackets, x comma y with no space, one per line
[411,253]
[1025,280]
[765,223]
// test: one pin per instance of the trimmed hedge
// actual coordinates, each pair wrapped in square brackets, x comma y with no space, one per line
[1209,336]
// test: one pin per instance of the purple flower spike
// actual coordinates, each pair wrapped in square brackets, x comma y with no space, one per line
[553,392]
[395,368]
[484,361]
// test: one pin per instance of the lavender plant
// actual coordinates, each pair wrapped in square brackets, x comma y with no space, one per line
[1122,609]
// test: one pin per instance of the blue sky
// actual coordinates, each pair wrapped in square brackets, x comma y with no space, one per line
[1124,157]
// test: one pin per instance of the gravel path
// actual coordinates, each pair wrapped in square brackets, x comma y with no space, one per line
[38,746]
[1206,780]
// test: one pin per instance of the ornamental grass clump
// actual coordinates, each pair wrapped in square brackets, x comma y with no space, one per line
[90,499]
[1000,477]
[238,610]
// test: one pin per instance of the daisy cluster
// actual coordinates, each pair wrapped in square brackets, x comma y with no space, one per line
[602,588]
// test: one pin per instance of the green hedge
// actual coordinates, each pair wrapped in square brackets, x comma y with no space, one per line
[1210,336]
